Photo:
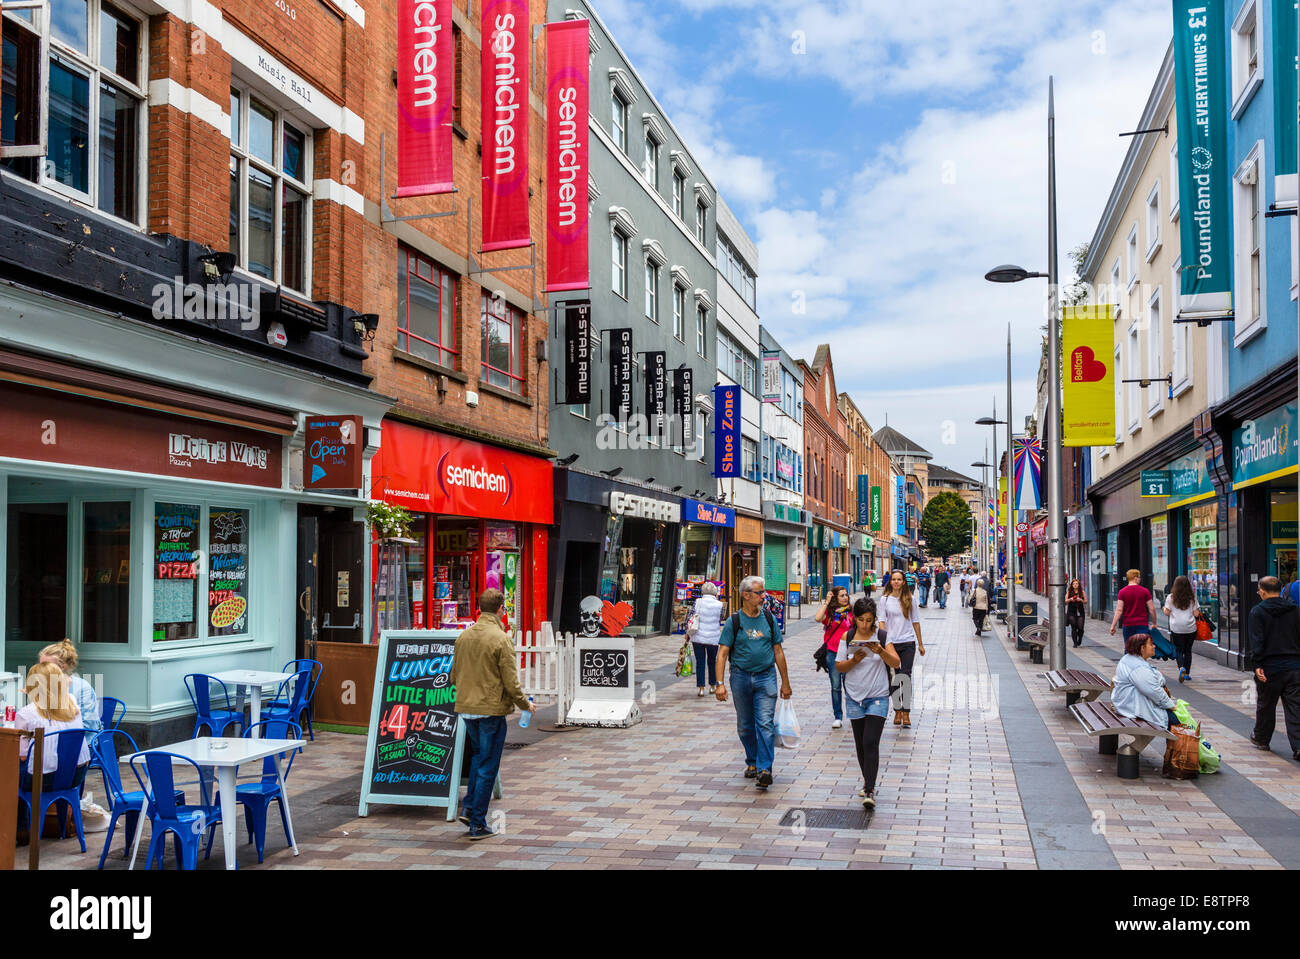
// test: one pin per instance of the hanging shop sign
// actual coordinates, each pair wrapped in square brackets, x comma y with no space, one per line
[332,455]
[726,430]
[1002,501]
[900,507]
[1155,483]
[644,507]
[620,375]
[1038,533]
[57,427]
[577,351]
[656,392]
[431,472]
[683,404]
[425,57]
[1088,402]
[876,511]
[567,92]
[771,377]
[1204,166]
[1264,448]
[864,497]
[695,511]
[1189,480]
[506,80]
[1027,457]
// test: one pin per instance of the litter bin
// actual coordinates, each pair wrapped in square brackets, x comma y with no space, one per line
[1026,615]
[1002,603]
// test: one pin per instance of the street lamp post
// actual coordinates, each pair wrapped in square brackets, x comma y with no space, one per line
[986,498]
[1055,487]
[994,422]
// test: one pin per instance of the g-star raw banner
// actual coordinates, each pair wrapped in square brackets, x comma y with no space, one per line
[656,392]
[620,375]
[425,57]
[577,351]
[1204,167]
[1088,404]
[683,405]
[1284,85]
[505,83]
[1027,457]
[567,93]
[726,430]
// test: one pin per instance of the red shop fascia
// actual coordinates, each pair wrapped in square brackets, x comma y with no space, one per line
[482,516]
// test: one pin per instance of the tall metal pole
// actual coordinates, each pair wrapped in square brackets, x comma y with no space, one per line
[1013,538]
[1055,486]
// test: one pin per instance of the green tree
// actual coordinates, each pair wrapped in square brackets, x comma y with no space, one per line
[945,525]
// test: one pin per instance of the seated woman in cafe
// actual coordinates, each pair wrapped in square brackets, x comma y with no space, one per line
[1140,691]
[50,707]
[64,655]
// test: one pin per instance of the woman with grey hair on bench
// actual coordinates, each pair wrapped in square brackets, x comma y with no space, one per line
[1140,691]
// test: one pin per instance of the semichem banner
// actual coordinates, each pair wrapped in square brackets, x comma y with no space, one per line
[1088,387]
[505,81]
[425,56]
[568,91]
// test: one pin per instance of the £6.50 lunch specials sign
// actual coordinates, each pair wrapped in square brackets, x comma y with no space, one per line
[414,744]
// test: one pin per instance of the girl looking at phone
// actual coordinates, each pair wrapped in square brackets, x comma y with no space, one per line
[864,659]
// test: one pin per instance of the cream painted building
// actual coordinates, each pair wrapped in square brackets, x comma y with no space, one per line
[1133,263]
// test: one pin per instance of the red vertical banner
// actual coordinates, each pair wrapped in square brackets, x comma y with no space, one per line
[506,80]
[425,64]
[568,75]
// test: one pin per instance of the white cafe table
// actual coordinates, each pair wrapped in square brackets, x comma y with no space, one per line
[254,680]
[224,762]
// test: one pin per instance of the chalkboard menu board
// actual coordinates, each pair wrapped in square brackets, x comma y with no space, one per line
[603,668]
[414,744]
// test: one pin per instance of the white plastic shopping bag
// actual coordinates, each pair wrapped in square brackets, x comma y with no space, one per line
[787,724]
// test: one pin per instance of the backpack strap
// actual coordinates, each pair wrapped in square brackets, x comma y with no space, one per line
[771,625]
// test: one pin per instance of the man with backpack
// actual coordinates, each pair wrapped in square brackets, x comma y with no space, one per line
[751,640]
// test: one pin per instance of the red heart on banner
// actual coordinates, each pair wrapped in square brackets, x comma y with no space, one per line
[1085,367]
[614,616]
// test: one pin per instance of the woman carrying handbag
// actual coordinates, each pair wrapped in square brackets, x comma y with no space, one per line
[704,629]
[837,620]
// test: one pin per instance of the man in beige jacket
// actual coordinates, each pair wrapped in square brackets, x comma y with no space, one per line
[487,690]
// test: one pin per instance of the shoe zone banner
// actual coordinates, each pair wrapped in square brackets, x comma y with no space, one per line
[1088,403]
[577,352]
[620,374]
[505,83]
[425,58]
[656,391]
[568,83]
[1027,460]
[1204,167]
[683,390]
[726,430]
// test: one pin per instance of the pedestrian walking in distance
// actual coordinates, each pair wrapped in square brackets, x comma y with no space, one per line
[487,691]
[1275,655]
[752,643]
[864,660]
[941,586]
[1076,609]
[708,619]
[979,605]
[903,627]
[1181,608]
[1135,610]
[836,617]
[923,585]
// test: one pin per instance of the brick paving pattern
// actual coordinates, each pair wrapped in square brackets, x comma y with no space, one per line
[669,793]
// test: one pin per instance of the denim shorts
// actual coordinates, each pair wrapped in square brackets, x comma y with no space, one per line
[867,707]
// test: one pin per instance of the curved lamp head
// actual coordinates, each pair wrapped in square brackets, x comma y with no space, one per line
[989,421]
[1008,273]
[982,465]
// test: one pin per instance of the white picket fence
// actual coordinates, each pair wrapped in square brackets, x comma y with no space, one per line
[548,668]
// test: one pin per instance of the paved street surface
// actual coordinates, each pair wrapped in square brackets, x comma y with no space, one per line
[994,774]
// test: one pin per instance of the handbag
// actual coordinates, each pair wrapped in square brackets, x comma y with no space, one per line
[692,625]
[684,665]
[820,657]
[1204,628]
[1183,753]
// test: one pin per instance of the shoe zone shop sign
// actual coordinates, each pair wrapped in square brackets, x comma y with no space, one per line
[606,683]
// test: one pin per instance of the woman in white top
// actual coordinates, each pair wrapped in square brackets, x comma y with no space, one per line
[50,707]
[903,626]
[708,618]
[1180,607]
[863,662]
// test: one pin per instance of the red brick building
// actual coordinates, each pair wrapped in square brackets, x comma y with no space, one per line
[826,463]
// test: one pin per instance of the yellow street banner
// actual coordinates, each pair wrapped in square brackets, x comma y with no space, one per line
[1002,501]
[1088,348]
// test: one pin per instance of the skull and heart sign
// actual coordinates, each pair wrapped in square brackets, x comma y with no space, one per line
[600,617]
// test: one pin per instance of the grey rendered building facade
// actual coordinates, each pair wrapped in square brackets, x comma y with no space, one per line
[652,233]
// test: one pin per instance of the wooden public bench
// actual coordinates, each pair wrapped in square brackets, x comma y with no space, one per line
[1077,684]
[1101,720]
[1035,637]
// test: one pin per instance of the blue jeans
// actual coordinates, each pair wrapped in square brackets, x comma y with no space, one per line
[755,696]
[1134,630]
[837,684]
[925,593]
[943,597]
[706,656]
[489,739]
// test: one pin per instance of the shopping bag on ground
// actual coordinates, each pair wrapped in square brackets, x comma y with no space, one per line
[787,724]
[1209,758]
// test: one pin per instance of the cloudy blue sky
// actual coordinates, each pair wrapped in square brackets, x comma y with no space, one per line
[886,168]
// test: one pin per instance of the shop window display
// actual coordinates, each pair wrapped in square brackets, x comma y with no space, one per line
[106,572]
[1203,557]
